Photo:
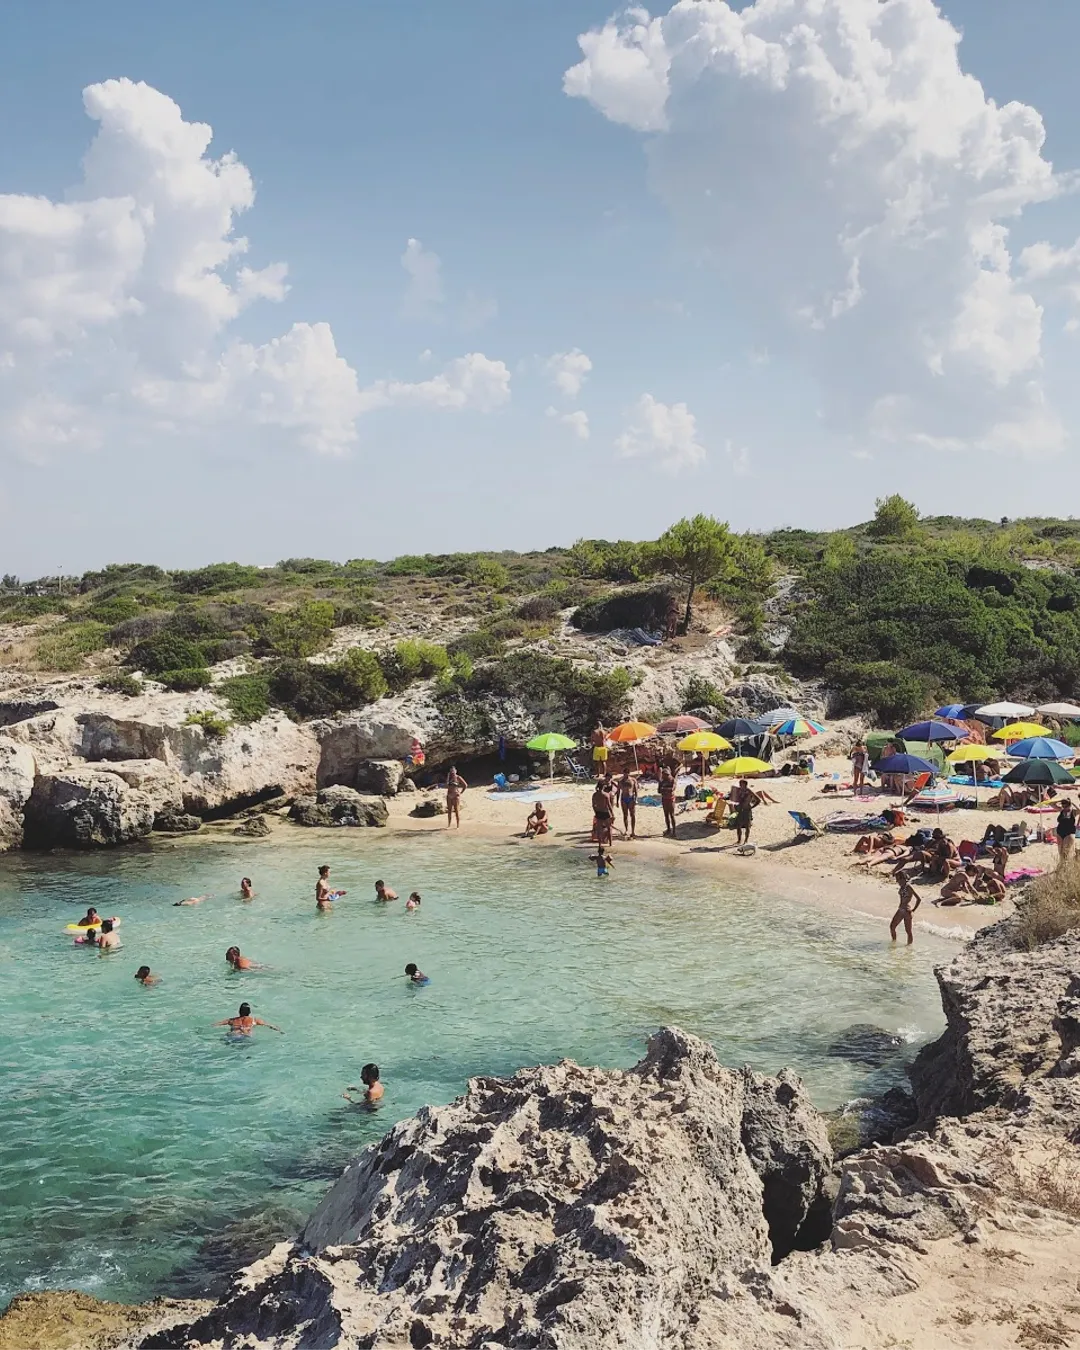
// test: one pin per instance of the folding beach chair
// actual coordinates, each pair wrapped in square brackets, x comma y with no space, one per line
[805,828]
[578,770]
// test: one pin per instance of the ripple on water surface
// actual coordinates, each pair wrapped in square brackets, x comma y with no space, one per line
[141,1152]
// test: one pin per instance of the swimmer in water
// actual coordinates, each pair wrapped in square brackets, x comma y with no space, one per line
[91,919]
[145,978]
[383,892]
[108,941]
[191,900]
[415,974]
[239,962]
[603,862]
[246,893]
[324,896]
[243,1024]
[373,1089]
[88,939]
[413,901]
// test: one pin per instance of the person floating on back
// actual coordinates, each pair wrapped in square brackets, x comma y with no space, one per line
[243,1024]
[373,1089]
[415,974]
[145,978]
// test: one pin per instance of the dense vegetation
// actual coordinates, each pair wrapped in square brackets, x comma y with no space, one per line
[893,615]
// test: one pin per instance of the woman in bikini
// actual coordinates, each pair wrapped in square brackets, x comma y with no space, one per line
[455,786]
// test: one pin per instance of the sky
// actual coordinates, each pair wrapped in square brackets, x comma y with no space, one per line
[356,278]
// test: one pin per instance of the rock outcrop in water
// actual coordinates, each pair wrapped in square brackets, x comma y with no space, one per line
[681,1206]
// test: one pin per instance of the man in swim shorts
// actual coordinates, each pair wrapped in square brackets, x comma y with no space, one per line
[910,900]
[628,795]
[243,1024]
[598,741]
[373,1089]
[383,892]
[602,814]
[667,800]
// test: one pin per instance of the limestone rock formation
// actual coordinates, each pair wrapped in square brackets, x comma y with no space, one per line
[257,827]
[339,806]
[81,808]
[16,783]
[381,776]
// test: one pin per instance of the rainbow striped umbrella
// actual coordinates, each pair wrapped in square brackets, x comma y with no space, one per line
[797,726]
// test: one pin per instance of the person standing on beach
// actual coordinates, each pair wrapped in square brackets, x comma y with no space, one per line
[598,741]
[859,757]
[667,801]
[603,816]
[455,786]
[909,902]
[745,801]
[628,795]
[1066,831]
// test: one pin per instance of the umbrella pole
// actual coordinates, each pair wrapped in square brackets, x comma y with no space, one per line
[551,766]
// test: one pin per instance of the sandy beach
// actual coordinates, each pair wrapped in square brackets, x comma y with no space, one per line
[822,870]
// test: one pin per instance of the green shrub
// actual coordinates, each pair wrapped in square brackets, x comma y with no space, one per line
[895,518]
[641,607]
[165,651]
[301,631]
[16,608]
[488,573]
[114,610]
[699,692]
[412,660]
[360,678]
[184,681]
[129,631]
[538,608]
[217,578]
[119,682]
[248,697]
[622,560]
[224,649]
[67,647]
[308,567]
[213,726]
[588,694]
[508,628]
[412,565]
[894,695]
[478,645]
[303,690]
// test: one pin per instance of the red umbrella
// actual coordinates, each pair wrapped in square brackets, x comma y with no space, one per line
[681,726]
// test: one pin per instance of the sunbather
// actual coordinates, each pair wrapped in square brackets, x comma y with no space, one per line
[872,843]
[961,887]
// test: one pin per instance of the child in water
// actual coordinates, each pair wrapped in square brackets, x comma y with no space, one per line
[246,893]
[145,978]
[603,862]
[373,1089]
[413,901]
[415,974]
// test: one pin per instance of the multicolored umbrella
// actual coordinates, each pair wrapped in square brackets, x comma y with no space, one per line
[1040,747]
[932,731]
[550,741]
[742,766]
[1020,731]
[681,726]
[797,726]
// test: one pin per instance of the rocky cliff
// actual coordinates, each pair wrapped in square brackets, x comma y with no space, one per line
[682,1205]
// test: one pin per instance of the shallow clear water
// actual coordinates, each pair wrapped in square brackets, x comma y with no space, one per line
[141,1152]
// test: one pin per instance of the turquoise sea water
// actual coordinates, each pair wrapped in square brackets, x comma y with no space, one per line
[141,1152]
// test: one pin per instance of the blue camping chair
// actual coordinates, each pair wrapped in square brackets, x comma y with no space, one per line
[805,828]
[578,770]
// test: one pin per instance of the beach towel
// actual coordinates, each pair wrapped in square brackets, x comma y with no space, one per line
[841,823]
[1022,874]
[1042,810]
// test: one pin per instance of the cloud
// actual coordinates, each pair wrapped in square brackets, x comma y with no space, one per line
[853,187]
[477,310]
[667,432]
[424,295]
[577,421]
[569,371]
[116,304]
[738,457]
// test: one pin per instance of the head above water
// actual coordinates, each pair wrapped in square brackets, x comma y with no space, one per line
[91,913]
[233,954]
[369,1074]
[380,885]
[411,968]
[245,1010]
[415,895]
[245,881]
[142,973]
[106,926]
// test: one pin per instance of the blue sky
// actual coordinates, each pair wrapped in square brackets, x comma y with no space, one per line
[590,223]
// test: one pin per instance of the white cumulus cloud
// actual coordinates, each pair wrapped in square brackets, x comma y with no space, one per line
[666,432]
[854,187]
[425,294]
[569,371]
[473,381]
[577,421]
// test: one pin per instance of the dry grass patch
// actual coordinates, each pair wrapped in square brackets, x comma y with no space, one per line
[1049,907]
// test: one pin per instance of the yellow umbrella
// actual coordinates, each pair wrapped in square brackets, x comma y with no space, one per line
[970,754]
[1020,731]
[701,742]
[742,765]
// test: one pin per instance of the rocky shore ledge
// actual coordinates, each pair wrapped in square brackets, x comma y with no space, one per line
[682,1204]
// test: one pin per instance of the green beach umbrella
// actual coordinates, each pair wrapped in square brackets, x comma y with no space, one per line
[550,741]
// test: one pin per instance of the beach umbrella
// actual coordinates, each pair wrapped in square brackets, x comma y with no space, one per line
[1005,709]
[797,726]
[700,743]
[1040,747]
[550,741]
[742,766]
[681,726]
[778,715]
[1039,771]
[904,764]
[1068,711]
[931,731]
[630,733]
[741,728]
[1019,731]
[973,754]
[955,710]
[937,797]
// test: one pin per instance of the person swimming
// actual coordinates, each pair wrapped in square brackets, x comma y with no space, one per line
[383,892]
[108,940]
[145,978]
[191,900]
[324,896]
[413,901]
[243,1024]
[415,974]
[373,1088]
[91,919]
[239,962]
[88,939]
[246,893]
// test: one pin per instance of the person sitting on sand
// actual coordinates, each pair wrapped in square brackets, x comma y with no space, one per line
[145,978]
[961,887]
[246,893]
[413,901]
[999,857]
[243,1024]
[384,893]
[872,843]
[324,896]
[91,919]
[239,962]
[109,941]
[372,1087]
[537,822]
[415,974]
[991,889]
[909,902]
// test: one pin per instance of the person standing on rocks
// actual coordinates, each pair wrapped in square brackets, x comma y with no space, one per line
[455,786]
[909,902]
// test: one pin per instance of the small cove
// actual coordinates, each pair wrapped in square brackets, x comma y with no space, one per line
[141,1153]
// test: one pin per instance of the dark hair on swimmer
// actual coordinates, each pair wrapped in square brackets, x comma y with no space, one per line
[415,896]
[233,951]
[245,1009]
[245,881]
[411,968]
[324,869]
[369,1074]
[142,972]
[379,883]
[106,925]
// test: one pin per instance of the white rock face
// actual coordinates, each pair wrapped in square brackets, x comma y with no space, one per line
[81,808]
[17,770]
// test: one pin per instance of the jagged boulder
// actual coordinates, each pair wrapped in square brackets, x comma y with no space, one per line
[161,782]
[178,822]
[384,777]
[563,1207]
[427,808]
[334,806]
[16,784]
[80,808]
[257,827]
